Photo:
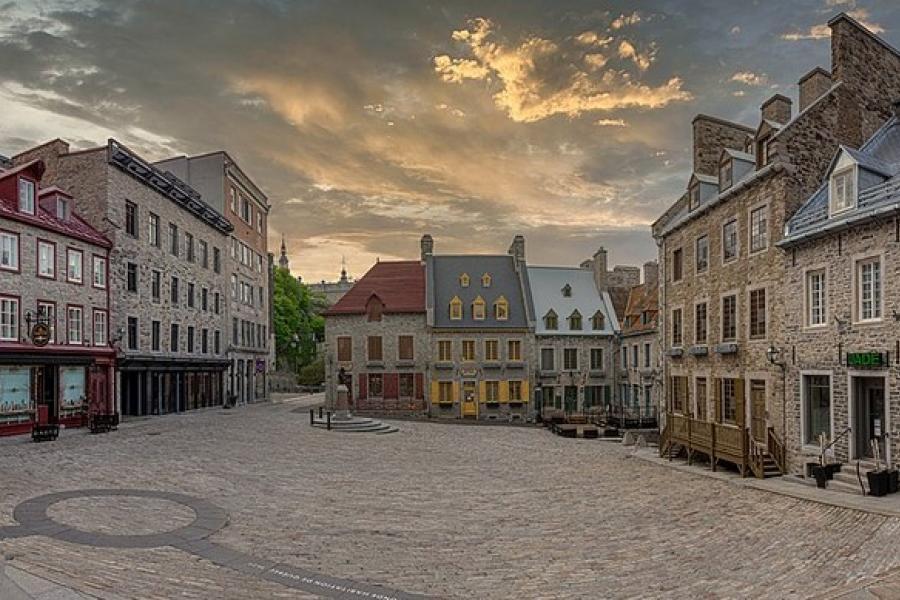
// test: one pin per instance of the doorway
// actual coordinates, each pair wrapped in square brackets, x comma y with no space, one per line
[469,399]
[869,416]
[46,387]
[758,410]
[570,393]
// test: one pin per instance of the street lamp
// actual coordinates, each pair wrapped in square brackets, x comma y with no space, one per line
[774,355]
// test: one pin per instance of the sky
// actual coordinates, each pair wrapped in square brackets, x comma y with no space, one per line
[370,123]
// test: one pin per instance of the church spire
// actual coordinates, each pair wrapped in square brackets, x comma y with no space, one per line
[283,260]
[343,269]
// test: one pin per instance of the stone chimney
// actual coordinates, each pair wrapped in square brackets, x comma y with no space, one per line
[517,249]
[600,273]
[813,86]
[651,272]
[427,246]
[777,109]
[49,153]
[711,135]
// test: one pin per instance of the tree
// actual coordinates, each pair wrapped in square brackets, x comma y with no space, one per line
[297,327]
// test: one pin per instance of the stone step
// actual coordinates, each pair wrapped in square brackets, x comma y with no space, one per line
[356,425]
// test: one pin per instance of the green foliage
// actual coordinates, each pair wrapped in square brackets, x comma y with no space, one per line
[297,326]
[313,373]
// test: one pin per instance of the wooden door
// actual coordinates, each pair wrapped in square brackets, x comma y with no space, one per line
[99,400]
[469,399]
[758,410]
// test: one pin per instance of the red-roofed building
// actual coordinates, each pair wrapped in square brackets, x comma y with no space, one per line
[56,360]
[376,336]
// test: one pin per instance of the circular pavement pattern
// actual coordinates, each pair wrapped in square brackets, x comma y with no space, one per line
[121,515]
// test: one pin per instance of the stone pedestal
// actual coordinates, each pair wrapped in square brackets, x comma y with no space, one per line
[342,404]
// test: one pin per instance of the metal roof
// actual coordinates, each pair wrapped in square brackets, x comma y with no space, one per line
[547,284]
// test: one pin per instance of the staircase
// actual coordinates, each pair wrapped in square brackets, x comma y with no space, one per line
[847,481]
[355,425]
[770,467]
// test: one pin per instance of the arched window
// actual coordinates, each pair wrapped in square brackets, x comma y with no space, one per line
[456,309]
[374,308]
[575,321]
[486,280]
[550,320]
[567,291]
[464,280]
[478,309]
[598,321]
[501,309]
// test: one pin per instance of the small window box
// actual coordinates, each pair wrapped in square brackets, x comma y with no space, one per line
[727,348]
[676,352]
[699,350]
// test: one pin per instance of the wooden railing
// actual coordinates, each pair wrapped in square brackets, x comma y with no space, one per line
[776,450]
[664,439]
[716,440]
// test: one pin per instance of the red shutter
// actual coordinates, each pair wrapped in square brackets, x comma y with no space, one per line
[420,386]
[391,386]
[363,394]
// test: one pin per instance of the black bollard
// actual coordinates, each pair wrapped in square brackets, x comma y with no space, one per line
[312,416]
[320,412]
[329,420]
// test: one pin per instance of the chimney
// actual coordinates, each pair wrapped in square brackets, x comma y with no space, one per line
[651,272]
[427,246]
[813,86]
[777,109]
[599,264]
[710,136]
[517,249]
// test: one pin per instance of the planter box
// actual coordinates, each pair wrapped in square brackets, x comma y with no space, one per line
[879,482]
[893,482]
[822,475]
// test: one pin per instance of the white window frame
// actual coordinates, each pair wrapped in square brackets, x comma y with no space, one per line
[858,263]
[12,241]
[51,272]
[99,261]
[807,297]
[737,239]
[27,200]
[764,208]
[70,339]
[852,174]
[697,269]
[10,309]
[98,339]
[70,252]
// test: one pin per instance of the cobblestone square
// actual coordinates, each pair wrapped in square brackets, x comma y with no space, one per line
[437,510]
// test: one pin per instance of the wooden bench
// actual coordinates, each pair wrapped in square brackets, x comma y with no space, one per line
[44,433]
[103,423]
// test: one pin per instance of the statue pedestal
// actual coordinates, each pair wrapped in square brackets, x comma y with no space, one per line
[342,404]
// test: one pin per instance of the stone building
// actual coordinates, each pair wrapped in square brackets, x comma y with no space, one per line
[639,392]
[842,341]
[575,337]
[56,359]
[166,276]
[481,323]
[333,291]
[375,337]
[229,190]
[722,278]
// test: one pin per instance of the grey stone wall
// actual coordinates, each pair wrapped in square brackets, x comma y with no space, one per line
[642,375]
[711,135]
[559,377]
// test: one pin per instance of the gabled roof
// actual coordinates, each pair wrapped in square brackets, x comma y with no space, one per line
[642,299]
[702,178]
[400,285]
[547,284]
[738,155]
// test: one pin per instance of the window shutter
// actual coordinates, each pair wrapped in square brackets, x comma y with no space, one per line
[391,386]
[524,390]
[455,397]
[740,408]
[435,389]
[363,393]
[419,386]
[482,391]
[504,391]
[717,395]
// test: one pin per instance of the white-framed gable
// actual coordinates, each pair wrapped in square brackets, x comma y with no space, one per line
[843,183]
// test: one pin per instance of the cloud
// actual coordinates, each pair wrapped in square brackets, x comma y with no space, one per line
[623,20]
[592,38]
[823,31]
[611,123]
[534,80]
[750,78]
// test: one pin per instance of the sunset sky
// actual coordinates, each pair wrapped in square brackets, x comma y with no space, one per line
[369,123]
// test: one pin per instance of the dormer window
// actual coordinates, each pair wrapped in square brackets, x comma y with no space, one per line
[62,208]
[486,280]
[551,321]
[725,175]
[575,321]
[694,195]
[501,309]
[478,309]
[598,321]
[567,291]
[456,309]
[26,196]
[762,151]
[843,190]
[464,280]
[374,308]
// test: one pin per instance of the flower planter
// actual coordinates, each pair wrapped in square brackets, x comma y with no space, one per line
[893,481]
[879,482]
[833,468]
[822,475]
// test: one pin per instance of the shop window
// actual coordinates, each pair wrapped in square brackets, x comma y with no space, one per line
[816,408]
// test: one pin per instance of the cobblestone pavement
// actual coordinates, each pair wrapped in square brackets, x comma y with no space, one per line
[440,510]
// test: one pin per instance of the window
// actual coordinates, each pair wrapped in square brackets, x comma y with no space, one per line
[635,360]
[47,310]
[259,222]
[729,400]
[405,347]
[694,195]
[491,350]
[843,190]
[702,254]
[759,238]
[567,291]
[570,359]
[514,350]
[101,328]
[624,354]
[74,261]
[598,321]
[815,298]
[204,299]
[406,385]
[501,309]
[153,227]
[246,213]
[575,321]
[677,336]
[204,341]
[464,280]
[700,398]
[515,391]
[46,259]
[131,219]
[757,314]
[456,309]
[189,246]
[235,337]
[551,321]
[868,289]
[492,392]
[173,291]
[217,304]
[478,309]
[190,339]
[233,197]
[445,350]
[99,272]
[173,337]
[132,333]
[677,265]
[173,239]
[816,407]
[468,350]
[700,323]
[679,393]
[62,208]
[646,355]
[26,195]
[548,359]
[345,349]
[486,280]
[218,342]
[131,277]
[204,254]
[74,325]
[596,359]
[375,349]
[376,386]
[729,241]
[217,261]
[729,318]
[9,319]
[234,286]
[725,175]
[445,392]
[155,285]
[190,295]
[9,251]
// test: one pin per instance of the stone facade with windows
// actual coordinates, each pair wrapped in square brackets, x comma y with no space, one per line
[729,377]
[56,356]
[638,358]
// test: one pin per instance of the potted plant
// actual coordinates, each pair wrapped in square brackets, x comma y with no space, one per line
[822,475]
[879,479]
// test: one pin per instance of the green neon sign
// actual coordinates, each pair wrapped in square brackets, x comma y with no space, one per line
[865,360]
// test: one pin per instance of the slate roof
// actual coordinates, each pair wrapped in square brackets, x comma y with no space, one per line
[739,155]
[400,285]
[642,298]
[442,273]
[547,284]
[878,188]
[74,227]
